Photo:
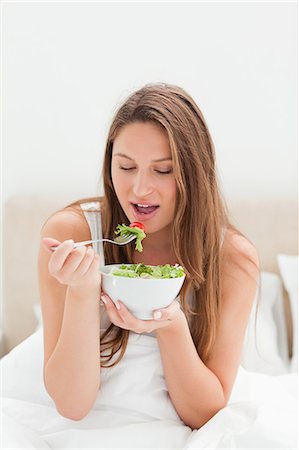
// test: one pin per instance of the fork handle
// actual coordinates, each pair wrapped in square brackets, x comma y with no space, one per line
[81,244]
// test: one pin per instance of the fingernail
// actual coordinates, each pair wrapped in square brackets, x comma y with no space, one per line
[157,315]
[104,300]
[117,305]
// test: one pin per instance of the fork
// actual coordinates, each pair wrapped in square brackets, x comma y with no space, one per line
[119,240]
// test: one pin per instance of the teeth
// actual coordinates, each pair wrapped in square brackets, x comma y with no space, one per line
[139,205]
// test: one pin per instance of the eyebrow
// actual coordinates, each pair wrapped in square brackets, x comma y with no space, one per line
[168,158]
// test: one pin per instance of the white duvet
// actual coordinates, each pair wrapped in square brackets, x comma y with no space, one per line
[133,409]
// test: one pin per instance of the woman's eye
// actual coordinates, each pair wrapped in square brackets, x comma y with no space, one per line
[126,168]
[164,172]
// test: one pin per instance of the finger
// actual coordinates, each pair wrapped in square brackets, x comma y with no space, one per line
[127,316]
[59,256]
[73,261]
[137,325]
[95,265]
[50,242]
[111,309]
[85,263]
[96,260]
[167,313]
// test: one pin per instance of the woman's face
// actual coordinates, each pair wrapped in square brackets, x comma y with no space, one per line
[142,175]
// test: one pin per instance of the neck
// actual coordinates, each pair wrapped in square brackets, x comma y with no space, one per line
[157,250]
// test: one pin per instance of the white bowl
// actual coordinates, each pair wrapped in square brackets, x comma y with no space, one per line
[140,295]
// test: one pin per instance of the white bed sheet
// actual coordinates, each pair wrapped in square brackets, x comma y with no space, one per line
[133,409]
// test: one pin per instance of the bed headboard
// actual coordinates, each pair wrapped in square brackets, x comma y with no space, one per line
[270,224]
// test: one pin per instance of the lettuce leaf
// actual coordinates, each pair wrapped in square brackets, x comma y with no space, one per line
[146,271]
[140,234]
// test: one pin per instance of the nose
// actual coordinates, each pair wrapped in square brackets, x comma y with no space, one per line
[143,185]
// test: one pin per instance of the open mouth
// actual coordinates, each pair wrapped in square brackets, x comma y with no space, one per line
[145,209]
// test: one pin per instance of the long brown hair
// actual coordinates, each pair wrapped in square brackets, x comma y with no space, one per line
[200,211]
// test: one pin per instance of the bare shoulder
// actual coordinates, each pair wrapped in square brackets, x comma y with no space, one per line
[237,245]
[240,257]
[68,223]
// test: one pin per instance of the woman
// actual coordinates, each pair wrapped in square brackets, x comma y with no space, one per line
[159,169]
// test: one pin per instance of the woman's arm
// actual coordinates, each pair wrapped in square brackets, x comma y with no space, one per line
[69,289]
[197,390]
[72,373]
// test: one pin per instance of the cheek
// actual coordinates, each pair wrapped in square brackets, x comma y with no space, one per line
[172,189]
[118,181]
[170,199]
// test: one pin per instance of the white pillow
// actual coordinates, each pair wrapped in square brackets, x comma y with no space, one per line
[22,371]
[288,266]
[265,347]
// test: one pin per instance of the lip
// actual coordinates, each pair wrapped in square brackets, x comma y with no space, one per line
[143,217]
[143,203]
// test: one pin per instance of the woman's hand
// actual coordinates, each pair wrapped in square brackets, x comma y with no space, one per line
[120,316]
[74,267]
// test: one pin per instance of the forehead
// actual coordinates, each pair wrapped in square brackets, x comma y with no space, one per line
[142,138]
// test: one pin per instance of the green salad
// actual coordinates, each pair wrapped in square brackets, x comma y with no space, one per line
[143,271]
[132,229]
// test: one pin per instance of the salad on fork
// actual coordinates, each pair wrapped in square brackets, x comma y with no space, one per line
[135,228]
